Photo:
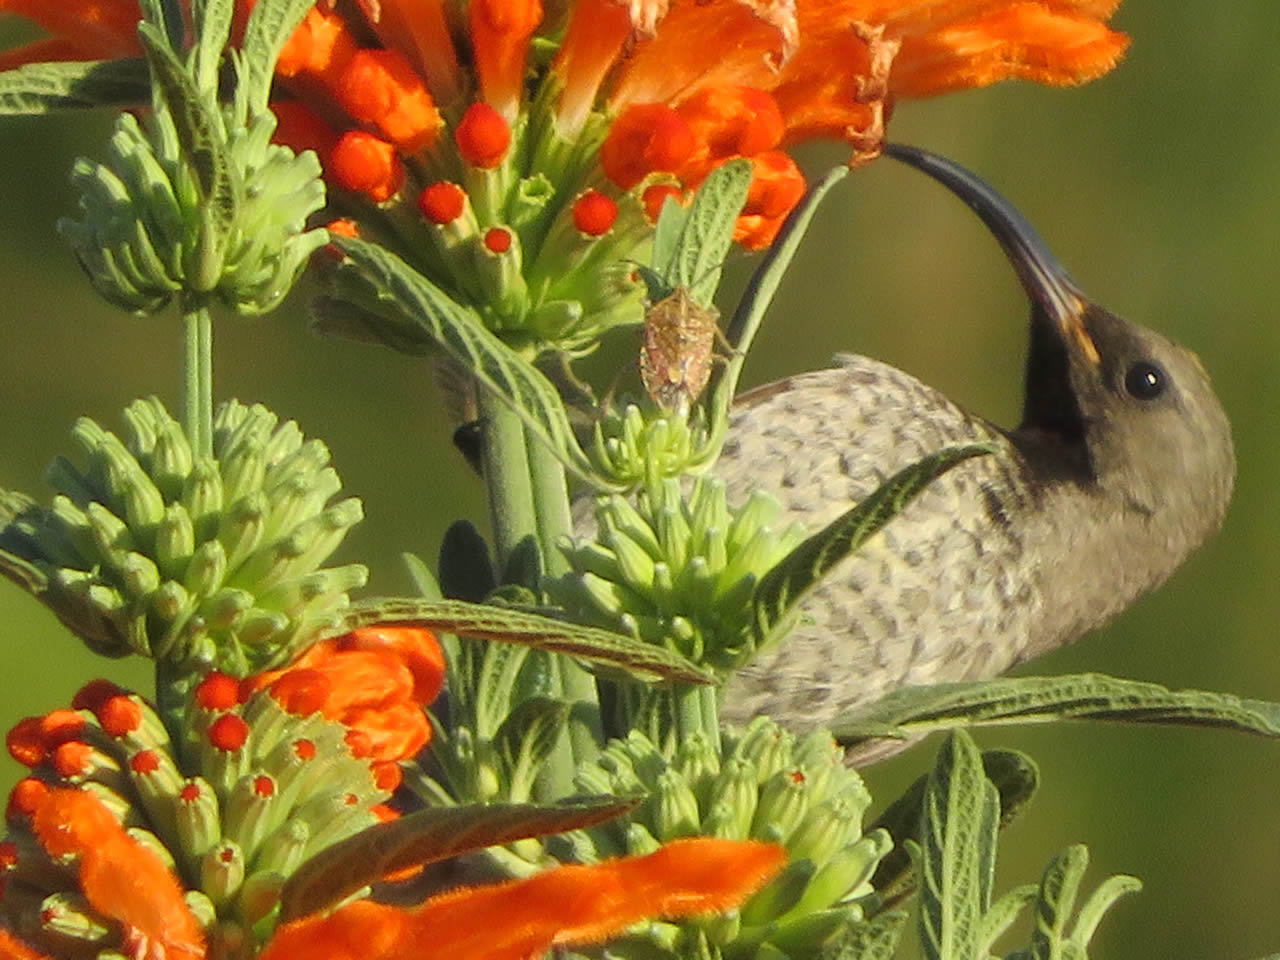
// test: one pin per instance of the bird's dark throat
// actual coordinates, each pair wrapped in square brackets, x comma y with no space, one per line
[1053,430]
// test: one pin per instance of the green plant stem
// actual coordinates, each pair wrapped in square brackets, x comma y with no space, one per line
[506,474]
[197,377]
[555,520]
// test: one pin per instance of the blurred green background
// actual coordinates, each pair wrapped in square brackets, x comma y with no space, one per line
[1158,186]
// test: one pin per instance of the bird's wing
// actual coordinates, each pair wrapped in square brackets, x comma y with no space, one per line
[943,593]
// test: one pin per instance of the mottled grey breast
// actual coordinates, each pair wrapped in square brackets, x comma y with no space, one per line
[945,592]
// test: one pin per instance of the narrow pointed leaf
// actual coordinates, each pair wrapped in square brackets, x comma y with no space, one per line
[459,331]
[428,836]
[270,24]
[1016,778]
[1099,902]
[527,737]
[1004,913]
[513,625]
[782,588]
[667,232]
[422,577]
[874,939]
[764,283]
[213,20]
[914,711]
[1057,897]
[45,87]
[707,231]
[956,855]
[199,133]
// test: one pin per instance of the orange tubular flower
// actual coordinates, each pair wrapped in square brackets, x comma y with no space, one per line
[635,94]
[575,905]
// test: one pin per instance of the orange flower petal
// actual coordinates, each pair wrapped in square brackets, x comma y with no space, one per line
[1026,40]
[597,31]
[91,29]
[525,918]
[421,29]
[500,32]
[380,88]
[646,138]
[119,878]
[11,948]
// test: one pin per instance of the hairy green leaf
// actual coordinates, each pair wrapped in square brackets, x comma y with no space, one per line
[781,589]
[1099,902]
[914,711]
[1016,778]
[1004,912]
[459,331]
[526,738]
[212,20]
[45,87]
[425,837]
[1057,897]
[957,853]
[522,626]
[874,939]
[270,24]
[706,232]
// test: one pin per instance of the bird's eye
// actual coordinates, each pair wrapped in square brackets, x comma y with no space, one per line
[1145,381]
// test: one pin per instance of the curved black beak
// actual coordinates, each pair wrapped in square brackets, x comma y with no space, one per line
[1053,293]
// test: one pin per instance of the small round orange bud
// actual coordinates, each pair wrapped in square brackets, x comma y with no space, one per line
[594,213]
[228,732]
[120,715]
[482,136]
[442,202]
[144,761]
[218,691]
[497,240]
[364,164]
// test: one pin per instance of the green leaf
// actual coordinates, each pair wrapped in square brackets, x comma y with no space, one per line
[500,665]
[707,232]
[764,283]
[785,586]
[1099,902]
[526,738]
[427,313]
[426,837]
[422,577]
[874,939]
[914,711]
[1016,779]
[204,148]
[466,569]
[270,24]
[667,231]
[45,87]
[1004,912]
[212,20]
[521,626]
[1056,899]
[957,853]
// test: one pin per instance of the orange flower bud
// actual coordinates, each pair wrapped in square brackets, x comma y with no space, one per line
[776,187]
[482,136]
[442,202]
[364,164]
[500,32]
[594,213]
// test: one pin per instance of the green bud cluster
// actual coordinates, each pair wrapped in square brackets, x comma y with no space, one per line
[677,571]
[233,816]
[146,233]
[758,783]
[628,446]
[198,562]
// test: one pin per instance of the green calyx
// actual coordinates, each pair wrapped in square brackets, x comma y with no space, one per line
[677,571]
[196,200]
[758,783]
[195,562]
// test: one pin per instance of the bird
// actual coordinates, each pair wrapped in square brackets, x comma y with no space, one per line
[1121,466]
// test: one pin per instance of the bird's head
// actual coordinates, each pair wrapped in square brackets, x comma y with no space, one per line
[1110,405]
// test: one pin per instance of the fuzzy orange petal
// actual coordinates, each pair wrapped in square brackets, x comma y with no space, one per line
[500,32]
[119,878]
[1026,40]
[525,918]
[420,30]
[597,31]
